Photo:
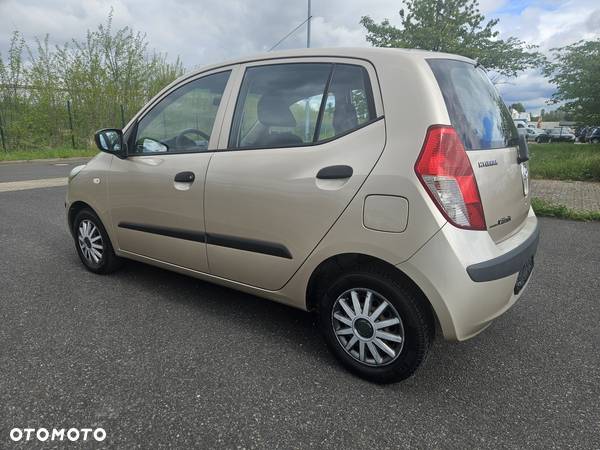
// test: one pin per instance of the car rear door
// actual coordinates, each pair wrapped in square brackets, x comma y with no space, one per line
[292,160]
[490,138]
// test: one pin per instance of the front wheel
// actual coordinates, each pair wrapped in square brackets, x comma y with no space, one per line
[378,328]
[93,244]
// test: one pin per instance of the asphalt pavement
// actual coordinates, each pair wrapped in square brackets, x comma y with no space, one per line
[36,170]
[162,360]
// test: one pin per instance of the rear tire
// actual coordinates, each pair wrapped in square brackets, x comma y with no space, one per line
[403,344]
[93,244]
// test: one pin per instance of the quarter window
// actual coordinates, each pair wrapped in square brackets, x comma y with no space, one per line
[349,101]
[283,105]
[182,121]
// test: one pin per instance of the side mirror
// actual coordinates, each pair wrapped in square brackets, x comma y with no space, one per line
[522,150]
[110,140]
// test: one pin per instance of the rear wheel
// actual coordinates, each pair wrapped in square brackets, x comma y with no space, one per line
[375,326]
[595,141]
[93,244]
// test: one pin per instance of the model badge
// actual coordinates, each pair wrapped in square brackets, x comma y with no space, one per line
[491,162]
[501,221]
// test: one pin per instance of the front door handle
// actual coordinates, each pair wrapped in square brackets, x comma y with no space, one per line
[335,172]
[185,177]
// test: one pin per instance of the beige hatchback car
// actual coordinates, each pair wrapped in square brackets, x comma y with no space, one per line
[384,189]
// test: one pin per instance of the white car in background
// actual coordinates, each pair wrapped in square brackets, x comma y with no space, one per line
[536,135]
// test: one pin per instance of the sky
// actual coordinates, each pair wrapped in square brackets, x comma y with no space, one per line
[204,32]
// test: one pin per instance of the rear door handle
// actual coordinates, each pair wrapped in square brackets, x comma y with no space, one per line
[335,172]
[185,177]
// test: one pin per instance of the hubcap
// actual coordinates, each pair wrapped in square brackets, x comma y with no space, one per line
[368,327]
[90,241]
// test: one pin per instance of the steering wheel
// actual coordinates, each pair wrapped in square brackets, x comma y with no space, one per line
[183,141]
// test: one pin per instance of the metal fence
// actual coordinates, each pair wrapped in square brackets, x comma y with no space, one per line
[31,119]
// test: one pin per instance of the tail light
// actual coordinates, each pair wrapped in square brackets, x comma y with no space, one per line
[446,173]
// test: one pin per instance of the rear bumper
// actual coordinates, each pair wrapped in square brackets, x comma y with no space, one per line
[508,263]
[470,280]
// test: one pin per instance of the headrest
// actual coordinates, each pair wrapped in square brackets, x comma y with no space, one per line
[344,117]
[273,112]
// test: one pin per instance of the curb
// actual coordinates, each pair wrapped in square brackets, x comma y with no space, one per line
[49,160]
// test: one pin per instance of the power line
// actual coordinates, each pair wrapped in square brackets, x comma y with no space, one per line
[290,33]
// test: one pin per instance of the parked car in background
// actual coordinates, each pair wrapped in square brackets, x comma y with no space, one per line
[561,135]
[581,132]
[593,135]
[536,135]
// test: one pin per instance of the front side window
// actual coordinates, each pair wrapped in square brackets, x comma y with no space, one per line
[184,119]
[283,105]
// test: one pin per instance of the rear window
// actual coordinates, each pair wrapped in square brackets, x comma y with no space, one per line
[476,111]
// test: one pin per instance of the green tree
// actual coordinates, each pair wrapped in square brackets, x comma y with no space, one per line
[558,115]
[454,26]
[518,107]
[575,70]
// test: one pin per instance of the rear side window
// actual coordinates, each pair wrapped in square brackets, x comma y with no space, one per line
[296,104]
[476,110]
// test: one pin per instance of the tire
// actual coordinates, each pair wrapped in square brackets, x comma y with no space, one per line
[537,140]
[88,234]
[416,326]
[595,141]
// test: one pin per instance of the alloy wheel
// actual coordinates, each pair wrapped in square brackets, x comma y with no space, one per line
[368,327]
[90,242]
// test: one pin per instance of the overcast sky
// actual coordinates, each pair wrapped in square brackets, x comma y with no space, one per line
[203,32]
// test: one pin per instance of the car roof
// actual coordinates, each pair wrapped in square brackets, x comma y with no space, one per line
[375,55]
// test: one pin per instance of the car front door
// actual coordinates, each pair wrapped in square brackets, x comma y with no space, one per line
[157,192]
[303,138]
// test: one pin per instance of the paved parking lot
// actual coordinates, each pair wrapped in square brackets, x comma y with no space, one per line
[159,359]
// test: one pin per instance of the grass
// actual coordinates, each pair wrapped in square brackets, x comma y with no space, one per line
[563,161]
[545,208]
[45,154]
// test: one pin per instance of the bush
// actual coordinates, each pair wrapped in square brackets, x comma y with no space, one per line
[106,78]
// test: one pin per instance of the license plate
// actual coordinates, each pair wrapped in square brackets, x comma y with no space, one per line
[525,178]
[524,274]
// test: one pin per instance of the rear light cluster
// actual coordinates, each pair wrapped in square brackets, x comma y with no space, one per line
[445,171]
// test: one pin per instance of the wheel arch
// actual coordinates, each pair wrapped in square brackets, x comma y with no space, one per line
[338,263]
[75,208]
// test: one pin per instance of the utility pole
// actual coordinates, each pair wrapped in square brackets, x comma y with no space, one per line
[308,27]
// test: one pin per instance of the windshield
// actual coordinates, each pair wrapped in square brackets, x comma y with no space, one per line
[476,110]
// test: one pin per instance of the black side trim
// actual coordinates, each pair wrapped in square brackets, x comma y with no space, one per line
[250,245]
[335,172]
[164,231]
[507,264]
